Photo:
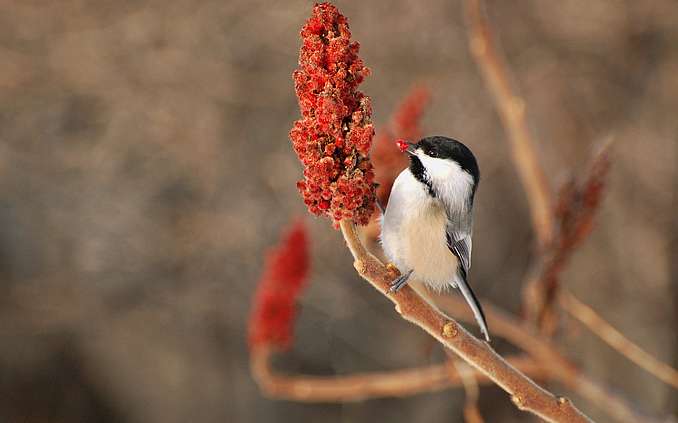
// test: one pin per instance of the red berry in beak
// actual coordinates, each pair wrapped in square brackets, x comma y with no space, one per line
[402,144]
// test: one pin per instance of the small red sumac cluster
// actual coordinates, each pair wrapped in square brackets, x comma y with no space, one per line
[405,123]
[407,117]
[334,135]
[578,202]
[283,280]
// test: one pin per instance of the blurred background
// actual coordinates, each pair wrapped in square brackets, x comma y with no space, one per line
[145,168]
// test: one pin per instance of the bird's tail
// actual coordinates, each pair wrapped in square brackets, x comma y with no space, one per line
[473,302]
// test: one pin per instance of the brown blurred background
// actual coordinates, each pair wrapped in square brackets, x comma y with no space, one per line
[145,168]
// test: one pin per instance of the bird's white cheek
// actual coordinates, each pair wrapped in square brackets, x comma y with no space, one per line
[435,168]
[449,179]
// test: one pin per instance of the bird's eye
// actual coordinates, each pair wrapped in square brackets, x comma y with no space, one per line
[433,153]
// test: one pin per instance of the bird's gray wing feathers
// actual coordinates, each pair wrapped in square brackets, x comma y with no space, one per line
[460,245]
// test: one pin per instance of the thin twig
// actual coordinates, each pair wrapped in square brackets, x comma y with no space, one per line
[610,401]
[511,109]
[615,339]
[525,393]
[363,386]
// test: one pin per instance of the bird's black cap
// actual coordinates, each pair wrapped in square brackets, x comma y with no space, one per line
[451,149]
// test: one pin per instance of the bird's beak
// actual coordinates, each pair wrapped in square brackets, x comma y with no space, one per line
[406,146]
[410,148]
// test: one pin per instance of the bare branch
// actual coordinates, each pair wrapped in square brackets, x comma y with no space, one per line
[526,394]
[362,386]
[511,109]
[615,339]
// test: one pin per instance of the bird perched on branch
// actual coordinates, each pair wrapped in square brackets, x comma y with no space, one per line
[428,223]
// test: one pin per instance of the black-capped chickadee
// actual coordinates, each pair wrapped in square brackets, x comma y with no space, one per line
[428,223]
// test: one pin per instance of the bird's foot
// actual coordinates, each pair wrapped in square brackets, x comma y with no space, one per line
[400,281]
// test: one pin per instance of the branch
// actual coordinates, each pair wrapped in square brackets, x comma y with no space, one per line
[362,386]
[615,339]
[526,394]
[511,109]
[545,352]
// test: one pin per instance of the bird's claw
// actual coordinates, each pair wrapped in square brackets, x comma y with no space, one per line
[399,282]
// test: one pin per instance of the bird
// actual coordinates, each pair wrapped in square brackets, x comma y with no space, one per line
[426,228]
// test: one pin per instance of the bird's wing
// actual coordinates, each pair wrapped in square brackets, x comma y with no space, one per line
[460,245]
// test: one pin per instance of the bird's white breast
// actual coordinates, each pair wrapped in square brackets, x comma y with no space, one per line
[413,233]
